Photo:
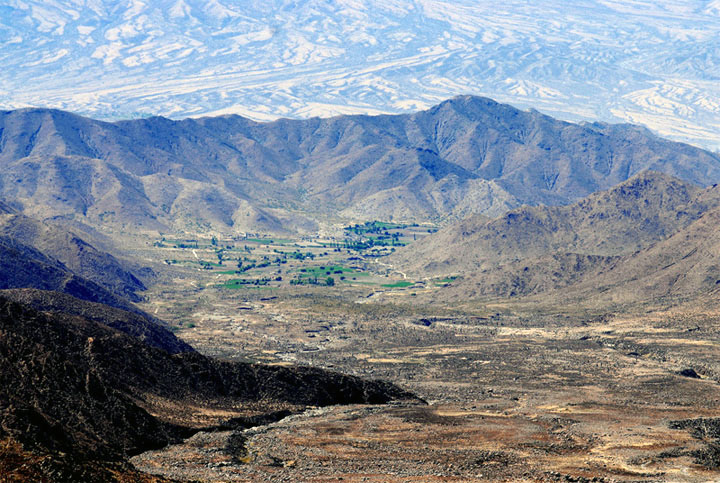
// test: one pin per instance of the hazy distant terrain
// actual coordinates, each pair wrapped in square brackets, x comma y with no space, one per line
[230,174]
[650,63]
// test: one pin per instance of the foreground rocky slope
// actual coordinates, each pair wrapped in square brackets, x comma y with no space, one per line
[464,156]
[144,327]
[82,394]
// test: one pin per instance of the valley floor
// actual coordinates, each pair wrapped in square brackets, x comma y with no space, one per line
[514,393]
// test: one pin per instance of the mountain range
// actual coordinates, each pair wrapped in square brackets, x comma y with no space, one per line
[533,207]
[466,155]
[649,238]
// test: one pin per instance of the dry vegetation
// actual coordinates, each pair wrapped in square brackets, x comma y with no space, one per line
[516,391]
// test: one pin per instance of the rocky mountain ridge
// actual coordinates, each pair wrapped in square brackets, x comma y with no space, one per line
[287,58]
[648,239]
[628,217]
[83,396]
[466,155]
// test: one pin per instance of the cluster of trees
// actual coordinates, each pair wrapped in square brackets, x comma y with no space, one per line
[364,241]
[299,280]
[374,227]
[390,240]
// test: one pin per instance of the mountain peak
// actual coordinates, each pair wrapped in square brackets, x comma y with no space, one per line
[474,107]
[649,181]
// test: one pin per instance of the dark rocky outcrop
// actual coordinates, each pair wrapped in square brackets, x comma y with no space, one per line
[80,391]
[148,330]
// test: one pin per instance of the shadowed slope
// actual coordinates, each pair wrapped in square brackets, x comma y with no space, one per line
[75,253]
[25,267]
[143,327]
[81,391]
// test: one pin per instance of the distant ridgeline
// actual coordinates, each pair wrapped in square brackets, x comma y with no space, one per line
[465,156]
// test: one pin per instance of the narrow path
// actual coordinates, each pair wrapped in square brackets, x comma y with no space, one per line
[391,268]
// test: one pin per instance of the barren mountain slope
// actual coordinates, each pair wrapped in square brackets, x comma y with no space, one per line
[145,328]
[26,267]
[624,219]
[530,276]
[466,155]
[6,209]
[75,253]
[682,265]
[652,63]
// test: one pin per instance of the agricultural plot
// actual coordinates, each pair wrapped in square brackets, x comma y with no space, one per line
[252,262]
